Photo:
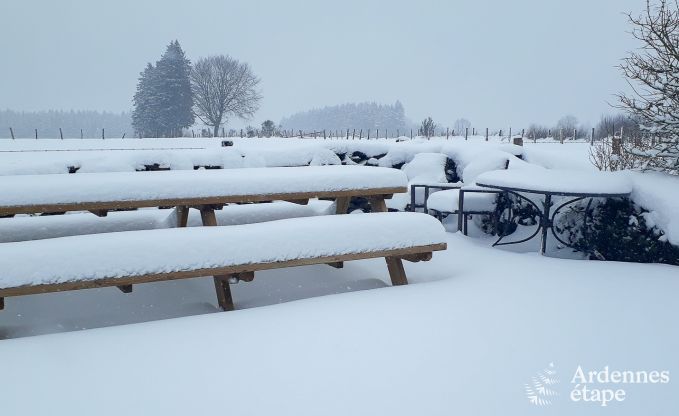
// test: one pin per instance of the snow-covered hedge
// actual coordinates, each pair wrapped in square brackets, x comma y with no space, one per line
[618,231]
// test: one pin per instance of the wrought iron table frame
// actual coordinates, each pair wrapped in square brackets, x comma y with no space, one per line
[546,220]
[427,187]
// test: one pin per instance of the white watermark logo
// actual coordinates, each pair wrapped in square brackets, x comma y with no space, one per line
[601,387]
[540,391]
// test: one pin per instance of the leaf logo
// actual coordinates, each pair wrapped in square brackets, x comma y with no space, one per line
[540,391]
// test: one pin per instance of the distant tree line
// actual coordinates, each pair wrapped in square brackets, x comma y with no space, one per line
[568,128]
[72,123]
[352,115]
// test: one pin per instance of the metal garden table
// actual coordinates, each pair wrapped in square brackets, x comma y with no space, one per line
[574,186]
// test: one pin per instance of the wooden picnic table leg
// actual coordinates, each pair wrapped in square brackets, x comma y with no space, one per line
[222,287]
[396,271]
[378,205]
[182,216]
[342,204]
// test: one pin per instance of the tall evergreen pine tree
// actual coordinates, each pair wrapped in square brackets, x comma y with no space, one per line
[163,102]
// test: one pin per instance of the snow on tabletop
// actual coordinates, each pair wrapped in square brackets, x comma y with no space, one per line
[132,186]
[449,201]
[136,253]
[565,181]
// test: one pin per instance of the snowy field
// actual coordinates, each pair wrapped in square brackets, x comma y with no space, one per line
[465,337]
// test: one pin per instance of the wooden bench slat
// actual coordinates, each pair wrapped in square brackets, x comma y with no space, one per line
[118,281]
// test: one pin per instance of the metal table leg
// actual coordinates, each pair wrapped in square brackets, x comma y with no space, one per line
[546,222]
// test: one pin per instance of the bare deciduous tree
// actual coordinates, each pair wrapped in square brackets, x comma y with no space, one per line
[605,157]
[566,126]
[653,74]
[222,88]
[460,125]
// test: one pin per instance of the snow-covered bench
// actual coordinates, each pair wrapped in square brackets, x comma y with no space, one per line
[228,253]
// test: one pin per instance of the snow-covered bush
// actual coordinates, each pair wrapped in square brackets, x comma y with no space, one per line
[510,211]
[618,230]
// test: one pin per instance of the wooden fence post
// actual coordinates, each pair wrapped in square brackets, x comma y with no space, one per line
[466,133]
[591,140]
[61,134]
[386,135]
[486,133]
[411,134]
[102,134]
[447,133]
[360,135]
[36,134]
[81,134]
[377,135]
[617,145]
[368,134]
[11,132]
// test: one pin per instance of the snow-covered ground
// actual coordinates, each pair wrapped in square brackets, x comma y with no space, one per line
[473,327]
[468,334]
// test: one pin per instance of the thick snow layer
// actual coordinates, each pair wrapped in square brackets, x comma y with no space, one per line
[115,160]
[475,158]
[290,155]
[449,201]
[659,193]
[126,160]
[571,155]
[53,226]
[136,253]
[405,152]
[426,168]
[551,180]
[109,143]
[473,327]
[131,186]
[423,169]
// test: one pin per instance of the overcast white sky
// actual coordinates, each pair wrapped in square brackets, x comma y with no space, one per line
[495,62]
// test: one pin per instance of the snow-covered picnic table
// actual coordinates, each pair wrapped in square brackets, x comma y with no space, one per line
[99,192]
[574,185]
[230,254]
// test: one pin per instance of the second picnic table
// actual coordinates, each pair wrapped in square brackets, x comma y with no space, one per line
[573,185]
[205,190]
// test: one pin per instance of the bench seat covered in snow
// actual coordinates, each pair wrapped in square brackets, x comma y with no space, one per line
[228,253]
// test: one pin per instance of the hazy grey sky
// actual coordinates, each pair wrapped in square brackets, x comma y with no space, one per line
[495,62]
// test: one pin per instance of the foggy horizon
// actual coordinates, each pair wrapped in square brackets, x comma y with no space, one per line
[496,64]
